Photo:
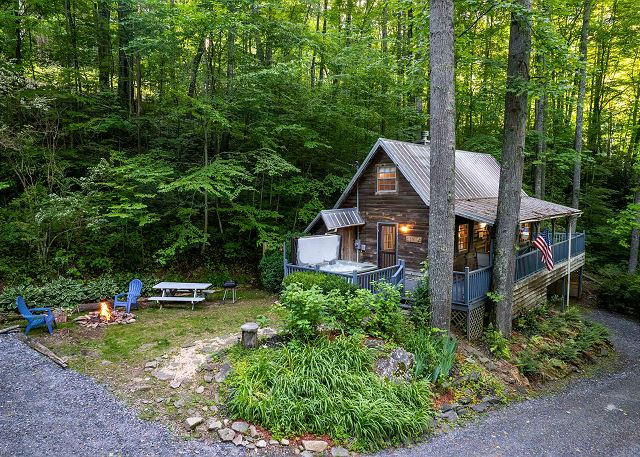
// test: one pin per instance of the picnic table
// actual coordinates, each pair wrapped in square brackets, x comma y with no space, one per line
[191,292]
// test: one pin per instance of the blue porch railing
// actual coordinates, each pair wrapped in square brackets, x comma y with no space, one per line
[470,287]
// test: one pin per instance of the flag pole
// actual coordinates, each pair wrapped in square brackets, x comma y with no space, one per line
[568,290]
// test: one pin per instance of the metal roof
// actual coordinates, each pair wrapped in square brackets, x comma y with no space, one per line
[531,209]
[342,217]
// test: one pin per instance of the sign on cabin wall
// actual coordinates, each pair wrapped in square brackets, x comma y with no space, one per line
[413,239]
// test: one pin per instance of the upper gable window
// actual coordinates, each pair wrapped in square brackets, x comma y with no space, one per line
[387,179]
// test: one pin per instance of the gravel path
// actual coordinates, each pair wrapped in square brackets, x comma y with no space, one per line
[45,410]
[592,417]
[48,411]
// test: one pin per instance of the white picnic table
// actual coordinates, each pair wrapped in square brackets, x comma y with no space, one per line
[170,289]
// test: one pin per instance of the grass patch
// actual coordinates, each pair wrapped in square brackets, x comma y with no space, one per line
[328,388]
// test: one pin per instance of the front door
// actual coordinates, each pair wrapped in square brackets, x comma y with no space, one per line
[387,245]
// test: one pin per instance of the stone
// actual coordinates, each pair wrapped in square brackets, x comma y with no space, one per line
[249,445]
[373,342]
[252,431]
[240,427]
[159,400]
[192,422]
[223,372]
[480,407]
[226,434]
[237,440]
[396,366]
[208,378]
[492,366]
[492,400]
[307,453]
[188,344]
[604,352]
[152,364]
[175,383]
[179,403]
[484,360]
[214,424]
[473,376]
[200,390]
[449,416]
[213,408]
[339,451]
[106,362]
[208,367]
[284,442]
[273,442]
[314,445]
[464,400]
[445,407]
[261,443]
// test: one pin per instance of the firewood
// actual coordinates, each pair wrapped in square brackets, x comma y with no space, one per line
[42,350]
[13,328]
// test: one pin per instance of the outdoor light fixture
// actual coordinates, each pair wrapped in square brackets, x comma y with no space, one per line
[482,225]
[404,228]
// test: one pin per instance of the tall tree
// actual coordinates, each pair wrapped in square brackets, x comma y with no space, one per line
[125,70]
[577,165]
[442,161]
[512,161]
[103,18]
[539,126]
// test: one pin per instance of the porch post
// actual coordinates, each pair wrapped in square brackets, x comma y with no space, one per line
[284,257]
[491,246]
[580,282]
[354,277]
[466,286]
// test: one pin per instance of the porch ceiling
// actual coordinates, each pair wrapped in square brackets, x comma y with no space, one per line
[531,209]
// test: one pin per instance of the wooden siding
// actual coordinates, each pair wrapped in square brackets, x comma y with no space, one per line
[402,207]
[532,290]
[347,240]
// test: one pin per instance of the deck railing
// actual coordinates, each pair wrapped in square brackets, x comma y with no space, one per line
[471,286]
[365,280]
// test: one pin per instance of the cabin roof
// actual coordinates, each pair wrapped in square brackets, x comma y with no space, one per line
[476,186]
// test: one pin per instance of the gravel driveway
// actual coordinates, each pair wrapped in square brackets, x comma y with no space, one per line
[592,417]
[48,411]
[45,410]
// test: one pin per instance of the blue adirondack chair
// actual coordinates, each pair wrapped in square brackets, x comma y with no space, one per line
[35,320]
[135,288]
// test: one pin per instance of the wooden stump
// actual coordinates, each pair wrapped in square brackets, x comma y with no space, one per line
[250,335]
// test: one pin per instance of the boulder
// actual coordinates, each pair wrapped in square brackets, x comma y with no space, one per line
[449,416]
[237,440]
[214,424]
[192,422]
[397,366]
[261,443]
[314,445]
[226,434]
[240,427]
[339,451]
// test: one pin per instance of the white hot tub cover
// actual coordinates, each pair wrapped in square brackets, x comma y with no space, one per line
[313,250]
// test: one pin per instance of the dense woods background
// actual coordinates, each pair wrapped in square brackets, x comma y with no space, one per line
[145,134]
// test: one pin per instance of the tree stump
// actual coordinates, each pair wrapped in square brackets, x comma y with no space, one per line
[250,335]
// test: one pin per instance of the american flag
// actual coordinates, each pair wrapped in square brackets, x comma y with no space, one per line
[543,243]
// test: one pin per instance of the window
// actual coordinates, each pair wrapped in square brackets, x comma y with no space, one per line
[463,237]
[525,233]
[387,179]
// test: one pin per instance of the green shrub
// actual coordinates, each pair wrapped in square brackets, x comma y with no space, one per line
[271,269]
[325,282]
[421,301]
[348,312]
[305,310]
[620,291]
[327,388]
[386,319]
[434,353]
[498,344]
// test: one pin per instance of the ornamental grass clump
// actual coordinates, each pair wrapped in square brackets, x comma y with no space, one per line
[327,387]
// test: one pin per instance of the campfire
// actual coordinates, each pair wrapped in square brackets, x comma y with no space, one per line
[105,316]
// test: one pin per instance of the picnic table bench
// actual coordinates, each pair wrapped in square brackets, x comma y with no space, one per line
[170,289]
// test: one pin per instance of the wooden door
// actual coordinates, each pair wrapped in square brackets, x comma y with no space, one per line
[387,245]
[347,240]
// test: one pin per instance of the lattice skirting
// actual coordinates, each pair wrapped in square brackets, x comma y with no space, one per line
[468,321]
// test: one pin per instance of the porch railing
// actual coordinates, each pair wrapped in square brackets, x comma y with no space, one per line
[470,287]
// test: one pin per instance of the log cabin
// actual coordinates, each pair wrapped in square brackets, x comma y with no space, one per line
[381,224]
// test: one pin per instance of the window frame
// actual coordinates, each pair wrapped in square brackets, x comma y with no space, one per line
[387,180]
[466,248]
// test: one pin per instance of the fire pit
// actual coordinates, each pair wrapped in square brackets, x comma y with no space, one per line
[105,316]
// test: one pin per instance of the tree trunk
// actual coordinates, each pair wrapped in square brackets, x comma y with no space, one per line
[442,161]
[73,41]
[195,65]
[19,13]
[577,166]
[540,125]
[124,61]
[103,17]
[635,236]
[515,123]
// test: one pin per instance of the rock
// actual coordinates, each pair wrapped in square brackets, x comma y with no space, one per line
[604,352]
[463,411]
[237,440]
[200,390]
[179,403]
[314,445]
[142,388]
[273,442]
[188,344]
[252,431]
[445,407]
[208,378]
[484,360]
[175,383]
[397,366]
[339,451]
[226,434]
[249,445]
[464,400]
[106,362]
[223,372]
[480,407]
[240,427]
[492,400]
[473,376]
[163,375]
[192,422]
[159,400]
[213,408]
[208,367]
[373,342]
[306,453]
[152,364]
[262,443]
[249,438]
[284,442]
[214,424]
[449,416]
[492,366]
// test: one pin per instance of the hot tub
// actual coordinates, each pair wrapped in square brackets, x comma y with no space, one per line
[346,266]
